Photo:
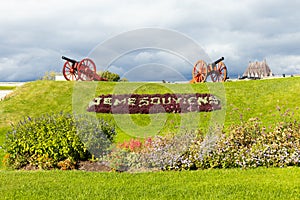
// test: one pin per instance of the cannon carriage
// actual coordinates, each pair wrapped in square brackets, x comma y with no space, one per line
[84,70]
[216,70]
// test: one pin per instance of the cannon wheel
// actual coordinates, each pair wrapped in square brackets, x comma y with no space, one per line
[87,69]
[219,74]
[70,71]
[200,72]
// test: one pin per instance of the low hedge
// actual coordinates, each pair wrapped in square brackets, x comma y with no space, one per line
[56,141]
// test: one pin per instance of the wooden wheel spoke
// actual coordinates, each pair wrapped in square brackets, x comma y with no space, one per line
[69,72]
[217,72]
[199,71]
[222,72]
[87,69]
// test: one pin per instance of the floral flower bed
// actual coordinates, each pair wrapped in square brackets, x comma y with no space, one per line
[154,103]
[247,145]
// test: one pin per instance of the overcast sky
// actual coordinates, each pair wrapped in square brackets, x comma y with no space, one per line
[35,34]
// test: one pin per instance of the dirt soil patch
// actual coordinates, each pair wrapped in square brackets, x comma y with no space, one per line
[93,166]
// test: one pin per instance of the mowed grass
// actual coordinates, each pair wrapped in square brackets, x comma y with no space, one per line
[266,99]
[241,101]
[7,87]
[3,132]
[273,183]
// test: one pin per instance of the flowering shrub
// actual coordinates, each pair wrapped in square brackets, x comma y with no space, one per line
[246,145]
[133,145]
[56,141]
[59,141]
[127,155]
[164,152]
[159,152]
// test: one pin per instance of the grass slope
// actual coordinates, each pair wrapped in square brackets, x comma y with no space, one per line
[208,184]
[7,87]
[245,99]
[241,100]
[262,99]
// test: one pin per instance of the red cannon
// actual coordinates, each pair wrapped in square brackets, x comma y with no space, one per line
[216,70]
[85,70]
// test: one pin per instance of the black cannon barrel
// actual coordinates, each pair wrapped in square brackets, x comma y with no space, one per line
[219,60]
[69,59]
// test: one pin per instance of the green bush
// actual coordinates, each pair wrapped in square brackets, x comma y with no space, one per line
[110,76]
[51,141]
[49,76]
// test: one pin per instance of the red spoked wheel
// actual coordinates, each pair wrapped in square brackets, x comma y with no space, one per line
[70,71]
[199,72]
[219,74]
[87,70]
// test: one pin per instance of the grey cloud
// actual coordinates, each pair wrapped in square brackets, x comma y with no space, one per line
[34,34]
[28,65]
[152,65]
[148,38]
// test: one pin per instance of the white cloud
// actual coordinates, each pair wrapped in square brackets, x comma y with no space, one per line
[28,65]
[284,64]
[116,69]
[144,57]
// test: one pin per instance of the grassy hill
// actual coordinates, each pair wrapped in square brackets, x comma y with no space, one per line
[266,99]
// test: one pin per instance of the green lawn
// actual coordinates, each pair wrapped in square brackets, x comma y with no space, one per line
[241,101]
[208,184]
[7,87]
